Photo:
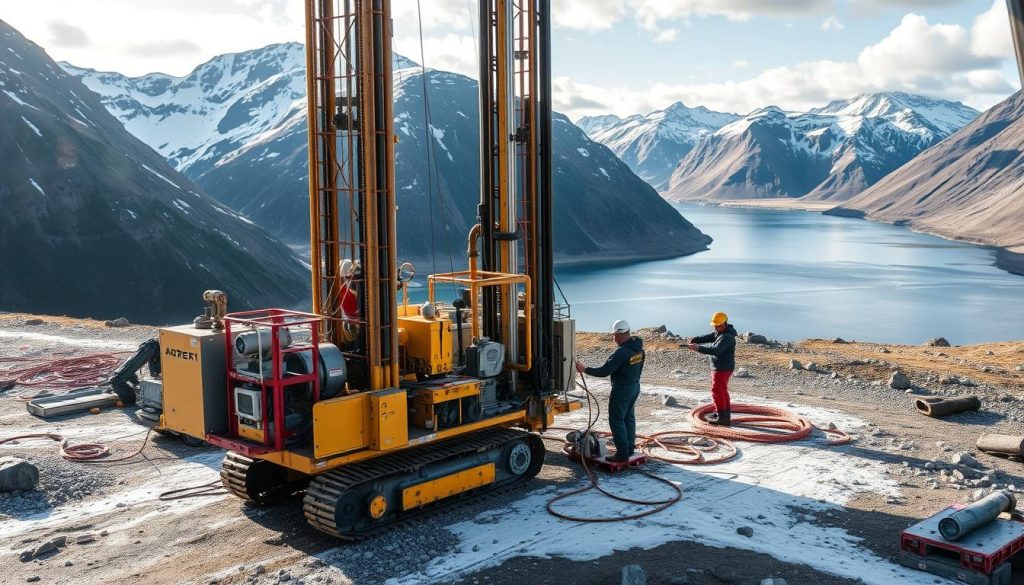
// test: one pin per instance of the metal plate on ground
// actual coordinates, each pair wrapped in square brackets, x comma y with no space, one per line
[75,401]
[987,540]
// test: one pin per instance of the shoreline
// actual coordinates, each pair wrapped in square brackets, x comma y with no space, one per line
[1007,259]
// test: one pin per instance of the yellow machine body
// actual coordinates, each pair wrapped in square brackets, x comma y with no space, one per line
[428,342]
[194,379]
[447,486]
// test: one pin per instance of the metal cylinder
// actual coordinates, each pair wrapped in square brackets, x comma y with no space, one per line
[1012,445]
[963,522]
[253,342]
[936,407]
[332,370]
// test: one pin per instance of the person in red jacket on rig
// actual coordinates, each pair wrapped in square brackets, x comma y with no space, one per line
[721,346]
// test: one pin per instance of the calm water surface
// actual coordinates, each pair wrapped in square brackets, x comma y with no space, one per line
[794,275]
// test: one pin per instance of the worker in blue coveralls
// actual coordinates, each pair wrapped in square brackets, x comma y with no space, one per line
[624,367]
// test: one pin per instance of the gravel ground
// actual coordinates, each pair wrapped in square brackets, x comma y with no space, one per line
[220,540]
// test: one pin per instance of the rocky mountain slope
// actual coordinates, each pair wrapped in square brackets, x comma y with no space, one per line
[829,153]
[97,223]
[968,187]
[236,126]
[653,144]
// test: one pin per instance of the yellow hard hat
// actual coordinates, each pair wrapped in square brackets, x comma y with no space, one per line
[719,318]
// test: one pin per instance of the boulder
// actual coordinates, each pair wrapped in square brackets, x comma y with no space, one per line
[742,373]
[937,342]
[32,322]
[795,365]
[899,381]
[119,322]
[660,329]
[667,400]
[755,338]
[964,459]
[745,531]
[633,575]
[17,475]
[838,340]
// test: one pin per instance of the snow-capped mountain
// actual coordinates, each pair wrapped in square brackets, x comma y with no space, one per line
[652,145]
[829,153]
[96,223]
[255,159]
[967,187]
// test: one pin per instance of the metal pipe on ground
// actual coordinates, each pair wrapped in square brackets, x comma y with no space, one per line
[1010,445]
[936,407]
[978,514]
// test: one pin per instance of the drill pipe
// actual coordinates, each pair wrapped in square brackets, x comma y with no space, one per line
[978,514]
[936,407]
[1012,445]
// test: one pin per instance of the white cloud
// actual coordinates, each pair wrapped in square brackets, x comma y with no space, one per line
[436,13]
[450,52]
[931,59]
[990,35]
[666,36]
[597,15]
[832,23]
[740,64]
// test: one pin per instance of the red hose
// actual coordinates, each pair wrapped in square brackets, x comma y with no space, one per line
[84,452]
[59,374]
[768,425]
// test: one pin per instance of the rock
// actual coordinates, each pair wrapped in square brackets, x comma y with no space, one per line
[661,329]
[812,367]
[795,365]
[756,339]
[260,569]
[977,495]
[745,531]
[60,541]
[990,352]
[103,533]
[26,555]
[32,579]
[899,381]
[44,549]
[85,539]
[68,563]
[119,322]
[1020,368]
[937,342]
[667,400]
[884,350]
[838,340]
[726,574]
[32,322]
[368,555]
[284,577]
[742,373]
[964,459]
[633,575]
[17,475]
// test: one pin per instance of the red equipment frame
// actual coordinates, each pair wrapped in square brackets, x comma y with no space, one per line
[272,387]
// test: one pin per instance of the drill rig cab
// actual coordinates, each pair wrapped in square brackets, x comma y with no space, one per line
[376,407]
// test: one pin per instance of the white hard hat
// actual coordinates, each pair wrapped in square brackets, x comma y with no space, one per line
[620,326]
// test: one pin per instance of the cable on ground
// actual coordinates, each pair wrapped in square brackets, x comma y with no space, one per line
[83,452]
[214,488]
[58,374]
[766,425]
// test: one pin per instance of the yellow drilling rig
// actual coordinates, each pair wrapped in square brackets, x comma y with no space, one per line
[377,408]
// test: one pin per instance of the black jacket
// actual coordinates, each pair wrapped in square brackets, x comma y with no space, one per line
[721,348]
[624,365]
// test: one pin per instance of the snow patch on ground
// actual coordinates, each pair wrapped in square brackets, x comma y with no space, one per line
[85,342]
[18,100]
[161,176]
[32,126]
[36,185]
[770,488]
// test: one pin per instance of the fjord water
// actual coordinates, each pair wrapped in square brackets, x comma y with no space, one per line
[793,275]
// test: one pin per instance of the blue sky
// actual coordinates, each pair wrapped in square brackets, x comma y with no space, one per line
[618,56]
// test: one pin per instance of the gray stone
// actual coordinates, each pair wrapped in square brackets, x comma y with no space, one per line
[667,400]
[742,373]
[726,574]
[756,339]
[43,549]
[937,342]
[368,555]
[838,340]
[119,322]
[964,459]
[26,555]
[32,579]
[633,575]
[33,322]
[60,541]
[17,475]
[85,538]
[812,367]
[795,365]
[899,381]
[745,531]
[260,569]
[884,350]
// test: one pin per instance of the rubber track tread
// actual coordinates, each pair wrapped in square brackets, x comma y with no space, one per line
[232,474]
[324,490]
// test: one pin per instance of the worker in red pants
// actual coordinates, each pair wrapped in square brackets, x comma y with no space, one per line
[721,346]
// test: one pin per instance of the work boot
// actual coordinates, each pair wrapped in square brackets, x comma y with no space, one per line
[618,458]
[722,418]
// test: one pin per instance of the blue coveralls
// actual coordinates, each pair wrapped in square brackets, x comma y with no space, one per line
[624,367]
